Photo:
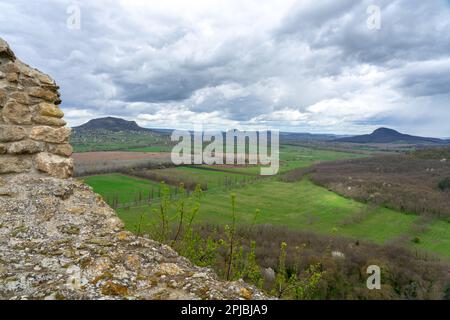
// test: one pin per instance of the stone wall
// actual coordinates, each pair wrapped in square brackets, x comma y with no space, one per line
[33,136]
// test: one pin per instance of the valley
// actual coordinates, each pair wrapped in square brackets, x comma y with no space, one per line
[326,192]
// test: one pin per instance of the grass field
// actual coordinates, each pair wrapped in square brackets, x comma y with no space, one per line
[293,157]
[199,175]
[125,187]
[436,238]
[301,205]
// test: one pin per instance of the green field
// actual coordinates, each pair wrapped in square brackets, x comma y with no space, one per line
[212,179]
[436,238]
[300,205]
[294,157]
[126,188]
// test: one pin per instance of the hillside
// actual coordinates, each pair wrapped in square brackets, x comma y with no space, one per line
[111,124]
[386,135]
[111,134]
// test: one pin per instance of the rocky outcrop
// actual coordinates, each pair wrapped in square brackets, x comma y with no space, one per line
[32,132]
[58,239]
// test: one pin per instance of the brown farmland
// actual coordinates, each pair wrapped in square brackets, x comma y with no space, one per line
[88,163]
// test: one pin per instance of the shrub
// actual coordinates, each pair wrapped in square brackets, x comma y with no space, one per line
[444,184]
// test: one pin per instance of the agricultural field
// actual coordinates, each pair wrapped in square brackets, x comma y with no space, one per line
[127,189]
[301,206]
[100,162]
[207,178]
[436,238]
[293,157]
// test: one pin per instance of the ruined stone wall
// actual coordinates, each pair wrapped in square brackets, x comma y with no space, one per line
[33,136]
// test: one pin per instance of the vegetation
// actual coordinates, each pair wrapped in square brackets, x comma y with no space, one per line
[106,140]
[193,176]
[403,182]
[118,188]
[444,184]
[301,206]
[304,265]
[317,225]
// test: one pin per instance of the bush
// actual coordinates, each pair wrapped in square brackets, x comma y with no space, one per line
[444,184]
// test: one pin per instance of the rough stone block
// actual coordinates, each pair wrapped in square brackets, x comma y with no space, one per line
[25,147]
[12,77]
[14,164]
[55,166]
[49,121]
[20,97]
[50,110]
[17,113]
[64,150]
[51,135]
[10,133]
[2,97]
[44,94]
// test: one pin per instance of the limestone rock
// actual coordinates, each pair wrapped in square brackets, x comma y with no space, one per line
[2,148]
[12,77]
[20,97]
[2,97]
[90,259]
[45,79]
[50,110]
[16,113]
[10,133]
[5,51]
[51,135]
[12,164]
[55,166]
[49,121]
[64,150]
[25,147]
[44,94]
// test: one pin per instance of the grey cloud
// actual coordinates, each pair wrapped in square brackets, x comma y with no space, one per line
[128,62]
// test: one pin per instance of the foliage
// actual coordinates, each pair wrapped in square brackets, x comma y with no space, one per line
[444,184]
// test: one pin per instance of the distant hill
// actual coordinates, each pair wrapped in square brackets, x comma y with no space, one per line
[299,136]
[114,134]
[386,135]
[111,124]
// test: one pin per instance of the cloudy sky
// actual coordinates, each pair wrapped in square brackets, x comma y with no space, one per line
[306,65]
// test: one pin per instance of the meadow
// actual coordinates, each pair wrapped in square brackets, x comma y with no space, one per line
[300,205]
[293,157]
[127,189]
